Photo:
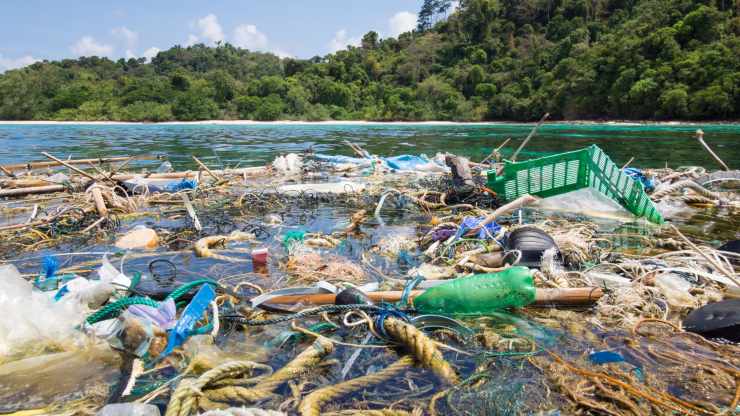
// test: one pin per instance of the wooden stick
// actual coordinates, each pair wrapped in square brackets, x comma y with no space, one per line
[209,171]
[493,152]
[46,164]
[700,138]
[543,297]
[628,162]
[7,172]
[531,133]
[99,202]
[121,177]
[32,191]
[71,167]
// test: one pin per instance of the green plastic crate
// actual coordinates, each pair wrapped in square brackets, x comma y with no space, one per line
[565,172]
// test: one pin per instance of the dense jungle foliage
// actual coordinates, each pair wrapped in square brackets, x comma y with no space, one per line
[486,60]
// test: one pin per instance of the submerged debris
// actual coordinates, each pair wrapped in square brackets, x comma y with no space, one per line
[325,284]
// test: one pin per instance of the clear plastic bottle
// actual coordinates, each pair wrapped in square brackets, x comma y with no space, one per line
[479,294]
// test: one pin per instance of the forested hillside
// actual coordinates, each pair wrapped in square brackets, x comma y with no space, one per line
[486,60]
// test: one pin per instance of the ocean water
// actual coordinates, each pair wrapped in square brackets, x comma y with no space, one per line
[651,145]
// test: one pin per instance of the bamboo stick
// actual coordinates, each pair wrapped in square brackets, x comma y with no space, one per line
[207,169]
[46,164]
[531,134]
[253,171]
[67,165]
[32,191]
[543,297]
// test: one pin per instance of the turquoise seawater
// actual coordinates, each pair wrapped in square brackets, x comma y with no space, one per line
[652,145]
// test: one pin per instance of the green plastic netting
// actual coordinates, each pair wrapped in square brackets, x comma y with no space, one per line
[565,172]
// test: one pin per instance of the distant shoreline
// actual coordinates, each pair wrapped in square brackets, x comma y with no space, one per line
[358,122]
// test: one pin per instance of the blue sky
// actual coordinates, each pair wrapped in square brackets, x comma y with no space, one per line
[53,29]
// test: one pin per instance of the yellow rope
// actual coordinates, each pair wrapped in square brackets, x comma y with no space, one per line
[185,398]
[381,412]
[299,365]
[422,347]
[311,405]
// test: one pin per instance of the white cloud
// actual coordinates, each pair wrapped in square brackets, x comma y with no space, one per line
[7,64]
[248,37]
[130,54]
[401,22]
[192,40]
[128,36]
[88,46]
[150,53]
[210,28]
[341,40]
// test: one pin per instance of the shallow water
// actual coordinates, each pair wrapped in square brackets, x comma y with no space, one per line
[652,145]
[509,376]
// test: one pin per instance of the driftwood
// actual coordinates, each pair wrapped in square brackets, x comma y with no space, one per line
[46,164]
[49,189]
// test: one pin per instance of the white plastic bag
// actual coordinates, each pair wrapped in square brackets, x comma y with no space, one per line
[30,316]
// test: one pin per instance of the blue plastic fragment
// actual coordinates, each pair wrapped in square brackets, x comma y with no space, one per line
[485,233]
[189,317]
[181,186]
[605,357]
[639,176]
[49,266]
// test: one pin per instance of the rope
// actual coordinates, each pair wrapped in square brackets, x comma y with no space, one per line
[187,287]
[303,362]
[422,347]
[381,412]
[185,398]
[688,183]
[302,314]
[113,309]
[311,405]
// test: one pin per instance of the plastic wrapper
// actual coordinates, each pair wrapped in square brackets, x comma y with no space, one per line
[56,379]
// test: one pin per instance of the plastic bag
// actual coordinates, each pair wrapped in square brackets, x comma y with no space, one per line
[29,316]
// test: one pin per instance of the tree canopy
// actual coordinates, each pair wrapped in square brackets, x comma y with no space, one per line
[484,60]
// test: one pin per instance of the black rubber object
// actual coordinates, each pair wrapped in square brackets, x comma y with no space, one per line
[532,242]
[716,320]
[352,296]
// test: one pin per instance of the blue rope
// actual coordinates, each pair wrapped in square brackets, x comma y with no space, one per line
[407,290]
[388,310]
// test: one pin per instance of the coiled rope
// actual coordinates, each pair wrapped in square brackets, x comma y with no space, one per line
[306,360]
[421,347]
[690,184]
[185,398]
[311,405]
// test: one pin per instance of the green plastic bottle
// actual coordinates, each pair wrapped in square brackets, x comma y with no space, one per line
[479,294]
